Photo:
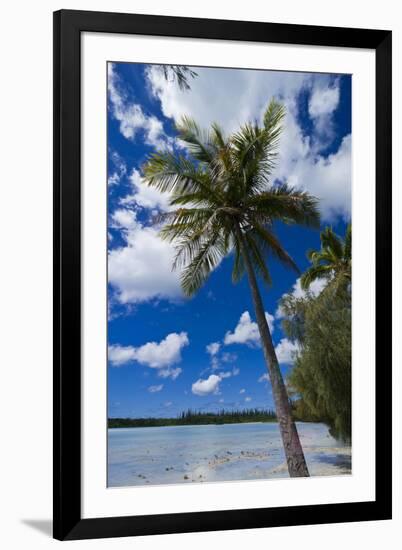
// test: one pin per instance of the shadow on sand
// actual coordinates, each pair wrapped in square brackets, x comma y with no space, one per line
[341,461]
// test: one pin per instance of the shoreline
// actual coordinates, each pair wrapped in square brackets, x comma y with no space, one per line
[221,452]
[199,424]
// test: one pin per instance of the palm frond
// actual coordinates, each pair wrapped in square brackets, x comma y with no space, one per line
[198,270]
[287,204]
[331,242]
[268,241]
[178,175]
[313,273]
[348,243]
[238,264]
[198,141]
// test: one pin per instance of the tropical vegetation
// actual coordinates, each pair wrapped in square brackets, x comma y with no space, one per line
[322,327]
[191,418]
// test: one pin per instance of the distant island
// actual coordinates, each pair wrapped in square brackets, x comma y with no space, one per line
[191,418]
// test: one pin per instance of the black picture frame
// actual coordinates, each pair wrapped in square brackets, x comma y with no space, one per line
[68,26]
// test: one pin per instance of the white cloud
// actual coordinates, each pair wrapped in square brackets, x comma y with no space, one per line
[155,389]
[155,355]
[247,399]
[208,101]
[225,374]
[264,378]
[162,354]
[120,168]
[170,372]
[120,355]
[214,362]
[229,357]
[315,289]
[328,179]
[285,351]
[124,218]
[323,101]
[168,403]
[299,160]
[145,196]
[131,116]
[207,386]
[246,331]
[213,348]
[141,270]
[242,390]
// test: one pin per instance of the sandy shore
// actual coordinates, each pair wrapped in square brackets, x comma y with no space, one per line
[188,454]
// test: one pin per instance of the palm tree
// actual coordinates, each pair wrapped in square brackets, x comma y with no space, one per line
[179,73]
[332,262]
[224,202]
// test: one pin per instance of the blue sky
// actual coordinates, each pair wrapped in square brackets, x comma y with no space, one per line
[166,352]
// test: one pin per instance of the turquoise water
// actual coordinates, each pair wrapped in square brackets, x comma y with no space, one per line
[228,452]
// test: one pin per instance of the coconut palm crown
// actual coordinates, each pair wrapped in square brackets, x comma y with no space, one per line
[223,200]
[332,262]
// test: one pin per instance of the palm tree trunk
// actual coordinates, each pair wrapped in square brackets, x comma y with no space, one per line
[293,450]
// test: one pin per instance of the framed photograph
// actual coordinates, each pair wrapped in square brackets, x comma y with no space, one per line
[216,364]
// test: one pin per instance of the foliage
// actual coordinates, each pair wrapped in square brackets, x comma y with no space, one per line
[180,73]
[333,262]
[321,325]
[191,417]
[224,200]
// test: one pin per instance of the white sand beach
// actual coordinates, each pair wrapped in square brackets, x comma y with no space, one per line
[228,452]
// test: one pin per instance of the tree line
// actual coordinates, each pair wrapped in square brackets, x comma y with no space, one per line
[191,417]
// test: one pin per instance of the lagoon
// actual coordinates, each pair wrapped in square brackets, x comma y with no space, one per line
[207,453]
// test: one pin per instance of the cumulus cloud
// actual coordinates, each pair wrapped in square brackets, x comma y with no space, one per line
[327,178]
[299,161]
[228,357]
[155,389]
[285,351]
[141,270]
[315,289]
[120,355]
[213,348]
[131,116]
[164,353]
[227,374]
[124,218]
[155,355]
[206,386]
[324,100]
[120,168]
[264,378]
[246,331]
[208,102]
[170,372]
[247,399]
[145,196]
[242,390]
